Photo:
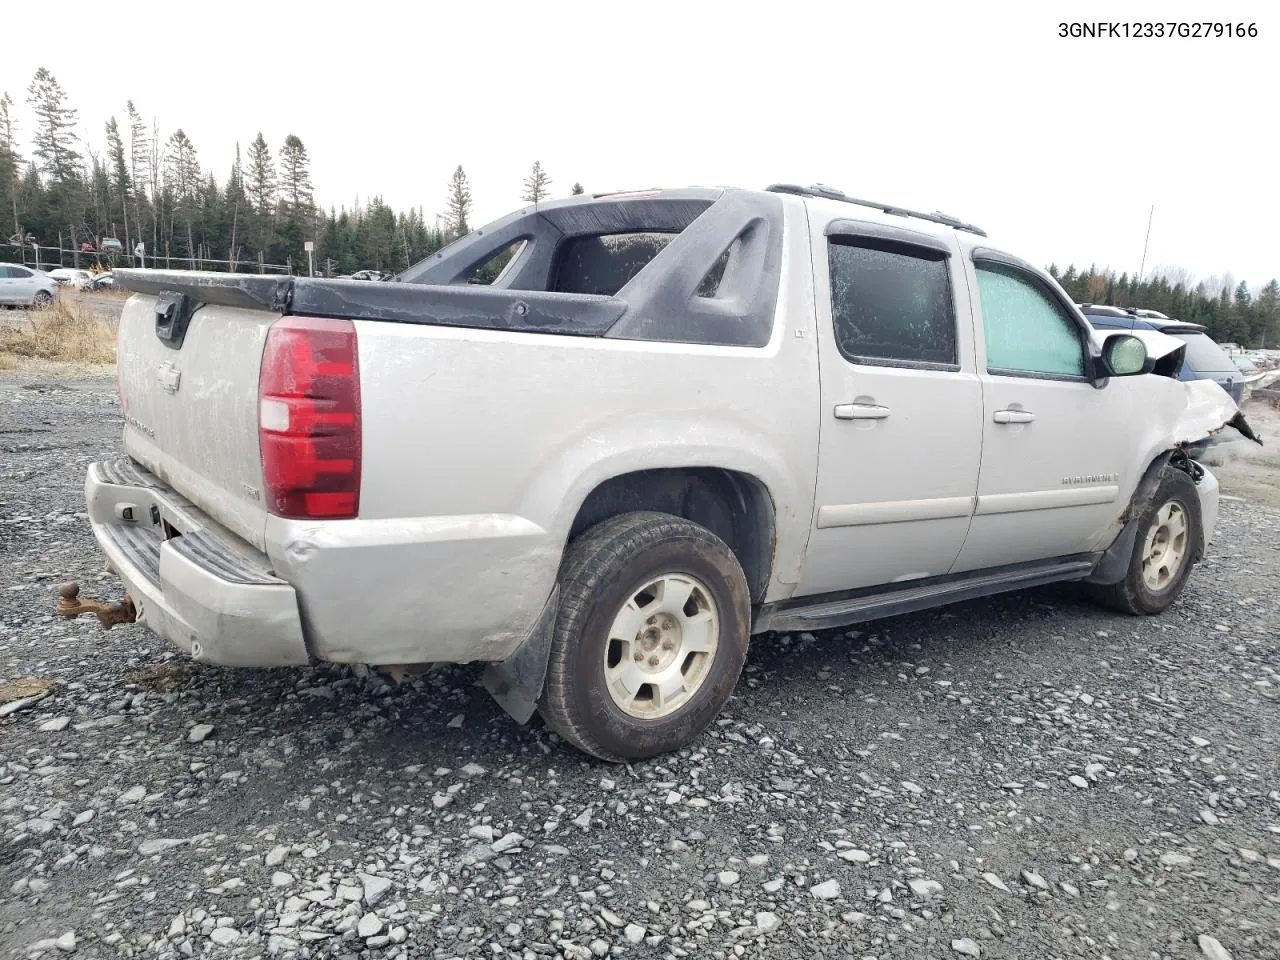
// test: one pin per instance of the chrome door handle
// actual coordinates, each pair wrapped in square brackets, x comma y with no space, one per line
[860,411]
[1013,416]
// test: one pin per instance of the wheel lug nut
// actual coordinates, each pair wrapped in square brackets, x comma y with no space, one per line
[653,661]
[668,644]
[639,656]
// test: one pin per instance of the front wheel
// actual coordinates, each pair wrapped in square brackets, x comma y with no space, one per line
[1167,545]
[650,637]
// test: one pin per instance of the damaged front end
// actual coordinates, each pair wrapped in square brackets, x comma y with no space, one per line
[1209,408]
[1209,411]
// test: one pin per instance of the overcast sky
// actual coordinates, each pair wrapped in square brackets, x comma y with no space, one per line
[1058,147]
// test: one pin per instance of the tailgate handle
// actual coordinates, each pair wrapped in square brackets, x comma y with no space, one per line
[173,316]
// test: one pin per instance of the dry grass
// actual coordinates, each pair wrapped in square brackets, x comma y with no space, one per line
[63,332]
[24,688]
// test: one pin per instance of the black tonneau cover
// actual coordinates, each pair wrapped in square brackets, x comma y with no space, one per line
[449,306]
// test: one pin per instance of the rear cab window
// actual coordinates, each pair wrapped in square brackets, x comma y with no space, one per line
[602,264]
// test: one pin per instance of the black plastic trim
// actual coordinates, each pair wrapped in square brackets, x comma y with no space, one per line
[885,231]
[173,316]
[860,361]
[659,304]
[251,291]
[476,307]
[1115,560]
[663,301]
[1027,375]
[517,682]
[544,226]
[873,603]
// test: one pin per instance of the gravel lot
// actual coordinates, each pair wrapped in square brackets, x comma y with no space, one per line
[1023,777]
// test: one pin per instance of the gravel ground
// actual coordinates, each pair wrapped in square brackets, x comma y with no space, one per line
[1022,777]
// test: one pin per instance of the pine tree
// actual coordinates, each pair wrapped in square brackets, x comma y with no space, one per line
[459,204]
[235,199]
[139,148]
[261,185]
[55,135]
[261,190]
[139,168]
[182,179]
[182,168]
[296,203]
[9,162]
[536,185]
[120,183]
[1268,307]
[295,178]
[100,192]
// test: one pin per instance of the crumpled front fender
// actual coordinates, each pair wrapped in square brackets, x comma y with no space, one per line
[1209,410]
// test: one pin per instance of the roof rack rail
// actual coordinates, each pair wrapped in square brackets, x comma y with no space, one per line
[831,193]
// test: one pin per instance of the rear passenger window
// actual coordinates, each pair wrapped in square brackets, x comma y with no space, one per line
[891,302]
[1026,332]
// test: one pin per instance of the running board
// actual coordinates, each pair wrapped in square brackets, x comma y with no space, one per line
[826,614]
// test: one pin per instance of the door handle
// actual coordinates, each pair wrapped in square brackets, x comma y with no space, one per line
[1013,416]
[860,411]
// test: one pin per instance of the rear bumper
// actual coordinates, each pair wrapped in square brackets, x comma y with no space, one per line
[203,590]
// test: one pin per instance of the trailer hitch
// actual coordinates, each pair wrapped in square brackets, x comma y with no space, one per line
[108,614]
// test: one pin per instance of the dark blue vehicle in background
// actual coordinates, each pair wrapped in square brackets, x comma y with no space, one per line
[1204,360]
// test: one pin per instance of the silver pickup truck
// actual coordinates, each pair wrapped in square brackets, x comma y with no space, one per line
[671,421]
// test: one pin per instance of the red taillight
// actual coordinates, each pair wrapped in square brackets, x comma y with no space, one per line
[309,419]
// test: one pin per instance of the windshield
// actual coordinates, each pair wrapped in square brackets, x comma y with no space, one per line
[1205,356]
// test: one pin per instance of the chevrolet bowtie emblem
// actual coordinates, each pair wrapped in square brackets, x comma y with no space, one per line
[169,376]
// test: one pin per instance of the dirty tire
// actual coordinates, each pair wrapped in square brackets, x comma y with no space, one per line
[601,571]
[42,299]
[1134,594]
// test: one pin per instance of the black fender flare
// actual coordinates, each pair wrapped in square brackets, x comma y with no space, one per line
[516,683]
[1115,560]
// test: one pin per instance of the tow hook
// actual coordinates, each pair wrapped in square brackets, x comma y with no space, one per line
[108,614]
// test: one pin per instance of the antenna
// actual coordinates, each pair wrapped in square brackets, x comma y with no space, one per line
[1143,267]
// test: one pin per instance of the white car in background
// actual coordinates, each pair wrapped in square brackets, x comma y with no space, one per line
[66,276]
[21,286]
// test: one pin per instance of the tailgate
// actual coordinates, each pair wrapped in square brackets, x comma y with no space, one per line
[191,402]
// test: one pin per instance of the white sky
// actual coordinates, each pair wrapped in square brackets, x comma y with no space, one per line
[1058,147]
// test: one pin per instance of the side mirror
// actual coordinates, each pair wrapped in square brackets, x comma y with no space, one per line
[1123,355]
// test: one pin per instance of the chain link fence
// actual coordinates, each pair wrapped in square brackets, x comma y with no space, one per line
[96,261]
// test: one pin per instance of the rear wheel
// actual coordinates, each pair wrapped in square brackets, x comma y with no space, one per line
[1166,548]
[42,299]
[650,637]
